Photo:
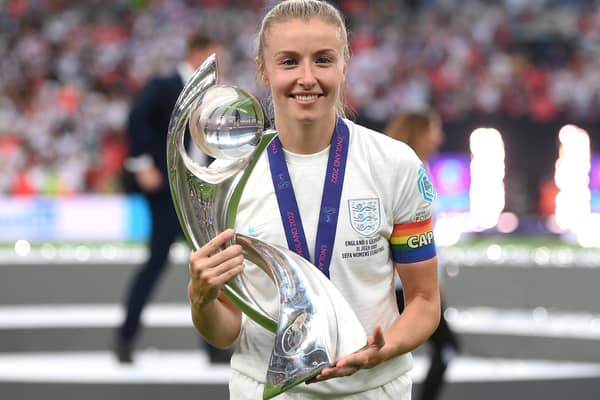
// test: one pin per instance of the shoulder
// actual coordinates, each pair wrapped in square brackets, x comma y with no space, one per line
[172,80]
[378,146]
[160,89]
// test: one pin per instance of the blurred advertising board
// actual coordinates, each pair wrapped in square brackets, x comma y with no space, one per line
[451,177]
[74,218]
[595,182]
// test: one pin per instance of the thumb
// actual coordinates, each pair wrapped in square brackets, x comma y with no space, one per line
[376,339]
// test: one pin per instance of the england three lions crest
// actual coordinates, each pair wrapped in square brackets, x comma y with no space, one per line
[364,216]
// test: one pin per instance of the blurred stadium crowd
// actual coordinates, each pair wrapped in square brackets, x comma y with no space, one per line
[68,70]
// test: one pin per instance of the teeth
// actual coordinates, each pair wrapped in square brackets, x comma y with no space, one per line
[307,98]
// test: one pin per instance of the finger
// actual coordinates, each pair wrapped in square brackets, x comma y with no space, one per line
[216,243]
[355,360]
[199,261]
[218,282]
[206,268]
[319,375]
[222,256]
[342,371]
[218,276]
[335,372]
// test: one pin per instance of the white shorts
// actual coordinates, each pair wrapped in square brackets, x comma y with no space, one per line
[241,387]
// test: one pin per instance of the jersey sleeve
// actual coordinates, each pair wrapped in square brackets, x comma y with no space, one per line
[412,237]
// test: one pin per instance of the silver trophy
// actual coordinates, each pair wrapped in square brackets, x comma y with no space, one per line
[315,326]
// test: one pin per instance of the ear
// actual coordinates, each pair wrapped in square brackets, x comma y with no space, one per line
[260,68]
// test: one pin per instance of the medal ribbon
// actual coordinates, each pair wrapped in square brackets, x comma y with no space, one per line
[330,200]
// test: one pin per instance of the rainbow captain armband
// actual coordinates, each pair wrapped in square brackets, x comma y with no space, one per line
[413,242]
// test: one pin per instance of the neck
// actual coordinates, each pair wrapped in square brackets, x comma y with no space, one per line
[305,138]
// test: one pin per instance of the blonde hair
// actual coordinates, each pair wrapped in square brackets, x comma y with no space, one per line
[305,9]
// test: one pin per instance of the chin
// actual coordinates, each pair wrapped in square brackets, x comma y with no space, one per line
[312,116]
[306,119]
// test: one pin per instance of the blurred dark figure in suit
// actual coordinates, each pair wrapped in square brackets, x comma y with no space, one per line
[422,131]
[146,172]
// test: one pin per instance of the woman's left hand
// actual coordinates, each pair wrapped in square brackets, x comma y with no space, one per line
[368,357]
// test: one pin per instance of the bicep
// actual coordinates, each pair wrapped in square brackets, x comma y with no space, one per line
[419,279]
[144,108]
[141,126]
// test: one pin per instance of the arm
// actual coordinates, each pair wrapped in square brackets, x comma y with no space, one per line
[413,327]
[216,318]
[141,126]
[413,253]
[141,130]
[421,314]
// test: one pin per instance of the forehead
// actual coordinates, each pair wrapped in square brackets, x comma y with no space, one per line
[296,34]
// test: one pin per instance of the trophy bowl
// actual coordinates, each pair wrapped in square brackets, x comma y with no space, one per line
[227,123]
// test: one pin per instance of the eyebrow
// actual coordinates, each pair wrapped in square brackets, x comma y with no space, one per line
[295,53]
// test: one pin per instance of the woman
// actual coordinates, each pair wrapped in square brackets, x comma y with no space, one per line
[422,131]
[302,57]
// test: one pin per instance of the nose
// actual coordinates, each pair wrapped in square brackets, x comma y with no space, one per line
[307,77]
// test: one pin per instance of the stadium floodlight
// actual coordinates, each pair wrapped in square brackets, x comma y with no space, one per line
[571,176]
[573,212]
[487,196]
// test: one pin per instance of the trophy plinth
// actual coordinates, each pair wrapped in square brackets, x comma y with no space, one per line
[314,326]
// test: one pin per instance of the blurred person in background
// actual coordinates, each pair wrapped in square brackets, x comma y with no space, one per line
[422,131]
[146,168]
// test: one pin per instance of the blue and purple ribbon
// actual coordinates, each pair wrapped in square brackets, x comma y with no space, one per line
[330,200]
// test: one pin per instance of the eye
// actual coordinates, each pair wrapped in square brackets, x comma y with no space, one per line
[324,60]
[288,62]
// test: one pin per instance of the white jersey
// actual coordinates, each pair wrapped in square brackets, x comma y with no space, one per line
[383,175]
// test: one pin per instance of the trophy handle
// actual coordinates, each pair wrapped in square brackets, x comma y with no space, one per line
[312,317]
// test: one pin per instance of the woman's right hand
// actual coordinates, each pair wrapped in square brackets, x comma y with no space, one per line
[211,268]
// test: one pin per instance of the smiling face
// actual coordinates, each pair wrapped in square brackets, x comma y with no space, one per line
[303,63]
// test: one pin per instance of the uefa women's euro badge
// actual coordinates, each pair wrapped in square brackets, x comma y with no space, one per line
[315,326]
